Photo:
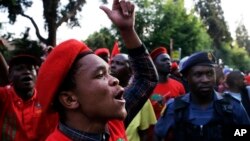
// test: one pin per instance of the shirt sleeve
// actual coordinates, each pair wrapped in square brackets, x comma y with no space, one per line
[143,83]
[147,116]
[241,114]
[166,121]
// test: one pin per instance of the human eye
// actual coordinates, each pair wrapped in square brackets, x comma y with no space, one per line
[18,68]
[210,73]
[197,74]
[100,74]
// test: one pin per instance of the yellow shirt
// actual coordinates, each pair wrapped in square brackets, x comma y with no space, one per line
[144,118]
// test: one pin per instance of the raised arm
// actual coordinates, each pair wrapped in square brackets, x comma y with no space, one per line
[123,16]
[145,74]
[3,71]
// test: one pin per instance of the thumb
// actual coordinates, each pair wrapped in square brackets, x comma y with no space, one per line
[106,10]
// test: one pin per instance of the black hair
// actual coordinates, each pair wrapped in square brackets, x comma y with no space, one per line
[232,77]
[67,84]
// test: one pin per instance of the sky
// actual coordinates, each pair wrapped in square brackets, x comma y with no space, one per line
[92,19]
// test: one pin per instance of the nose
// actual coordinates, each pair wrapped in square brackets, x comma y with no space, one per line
[205,78]
[113,81]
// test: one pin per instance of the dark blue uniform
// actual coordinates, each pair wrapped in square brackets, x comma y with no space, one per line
[194,117]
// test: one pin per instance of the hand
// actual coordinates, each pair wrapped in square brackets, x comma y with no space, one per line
[122,14]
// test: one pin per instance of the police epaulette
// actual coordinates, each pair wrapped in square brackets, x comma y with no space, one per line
[179,103]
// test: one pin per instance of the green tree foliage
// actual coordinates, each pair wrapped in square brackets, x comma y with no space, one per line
[158,21]
[211,14]
[235,56]
[242,37]
[22,46]
[53,11]
[14,7]
[186,30]
[103,38]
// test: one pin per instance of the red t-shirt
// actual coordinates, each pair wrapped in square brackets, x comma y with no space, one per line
[163,92]
[116,129]
[18,117]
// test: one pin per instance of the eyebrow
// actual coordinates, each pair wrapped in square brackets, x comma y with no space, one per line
[102,67]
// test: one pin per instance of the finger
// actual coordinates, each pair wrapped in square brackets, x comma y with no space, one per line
[133,8]
[115,4]
[106,10]
[124,7]
[130,7]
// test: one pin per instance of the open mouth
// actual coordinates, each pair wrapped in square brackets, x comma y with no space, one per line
[119,96]
[26,79]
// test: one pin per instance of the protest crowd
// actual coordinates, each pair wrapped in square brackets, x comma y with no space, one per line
[75,93]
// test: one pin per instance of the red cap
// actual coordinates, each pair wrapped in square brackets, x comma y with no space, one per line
[247,78]
[55,68]
[157,52]
[100,51]
[174,66]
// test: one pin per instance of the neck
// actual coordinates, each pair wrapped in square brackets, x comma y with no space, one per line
[235,90]
[202,101]
[87,125]
[25,94]
[163,78]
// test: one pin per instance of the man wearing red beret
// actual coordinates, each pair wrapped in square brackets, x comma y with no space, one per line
[103,53]
[19,107]
[90,102]
[167,87]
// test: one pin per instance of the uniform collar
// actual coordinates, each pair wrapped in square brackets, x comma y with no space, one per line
[186,98]
[77,135]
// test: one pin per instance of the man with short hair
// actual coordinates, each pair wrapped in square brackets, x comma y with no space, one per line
[76,84]
[167,87]
[236,87]
[120,68]
[103,53]
[19,108]
[138,129]
[202,114]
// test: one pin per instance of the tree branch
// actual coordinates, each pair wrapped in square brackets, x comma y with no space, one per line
[71,13]
[36,28]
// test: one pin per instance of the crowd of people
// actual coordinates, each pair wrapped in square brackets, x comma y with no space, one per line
[76,94]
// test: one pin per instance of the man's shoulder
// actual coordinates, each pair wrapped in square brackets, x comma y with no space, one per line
[179,101]
[171,80]
[230,98]
[5,90]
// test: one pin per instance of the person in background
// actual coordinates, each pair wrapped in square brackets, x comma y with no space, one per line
[76,84]
[138,129]
[167,87]
[202,114]
[236,87]
[103,53]
[19,105]
[174,73]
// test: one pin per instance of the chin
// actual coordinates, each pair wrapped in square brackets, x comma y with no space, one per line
[122,115]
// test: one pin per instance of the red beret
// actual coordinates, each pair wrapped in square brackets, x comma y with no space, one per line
[100,51]
[247,78]
[55,68]
[158,51]
[174,66]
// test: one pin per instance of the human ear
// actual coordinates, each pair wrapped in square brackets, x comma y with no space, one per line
[68,99]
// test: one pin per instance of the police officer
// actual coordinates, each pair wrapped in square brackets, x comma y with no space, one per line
[201,114]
